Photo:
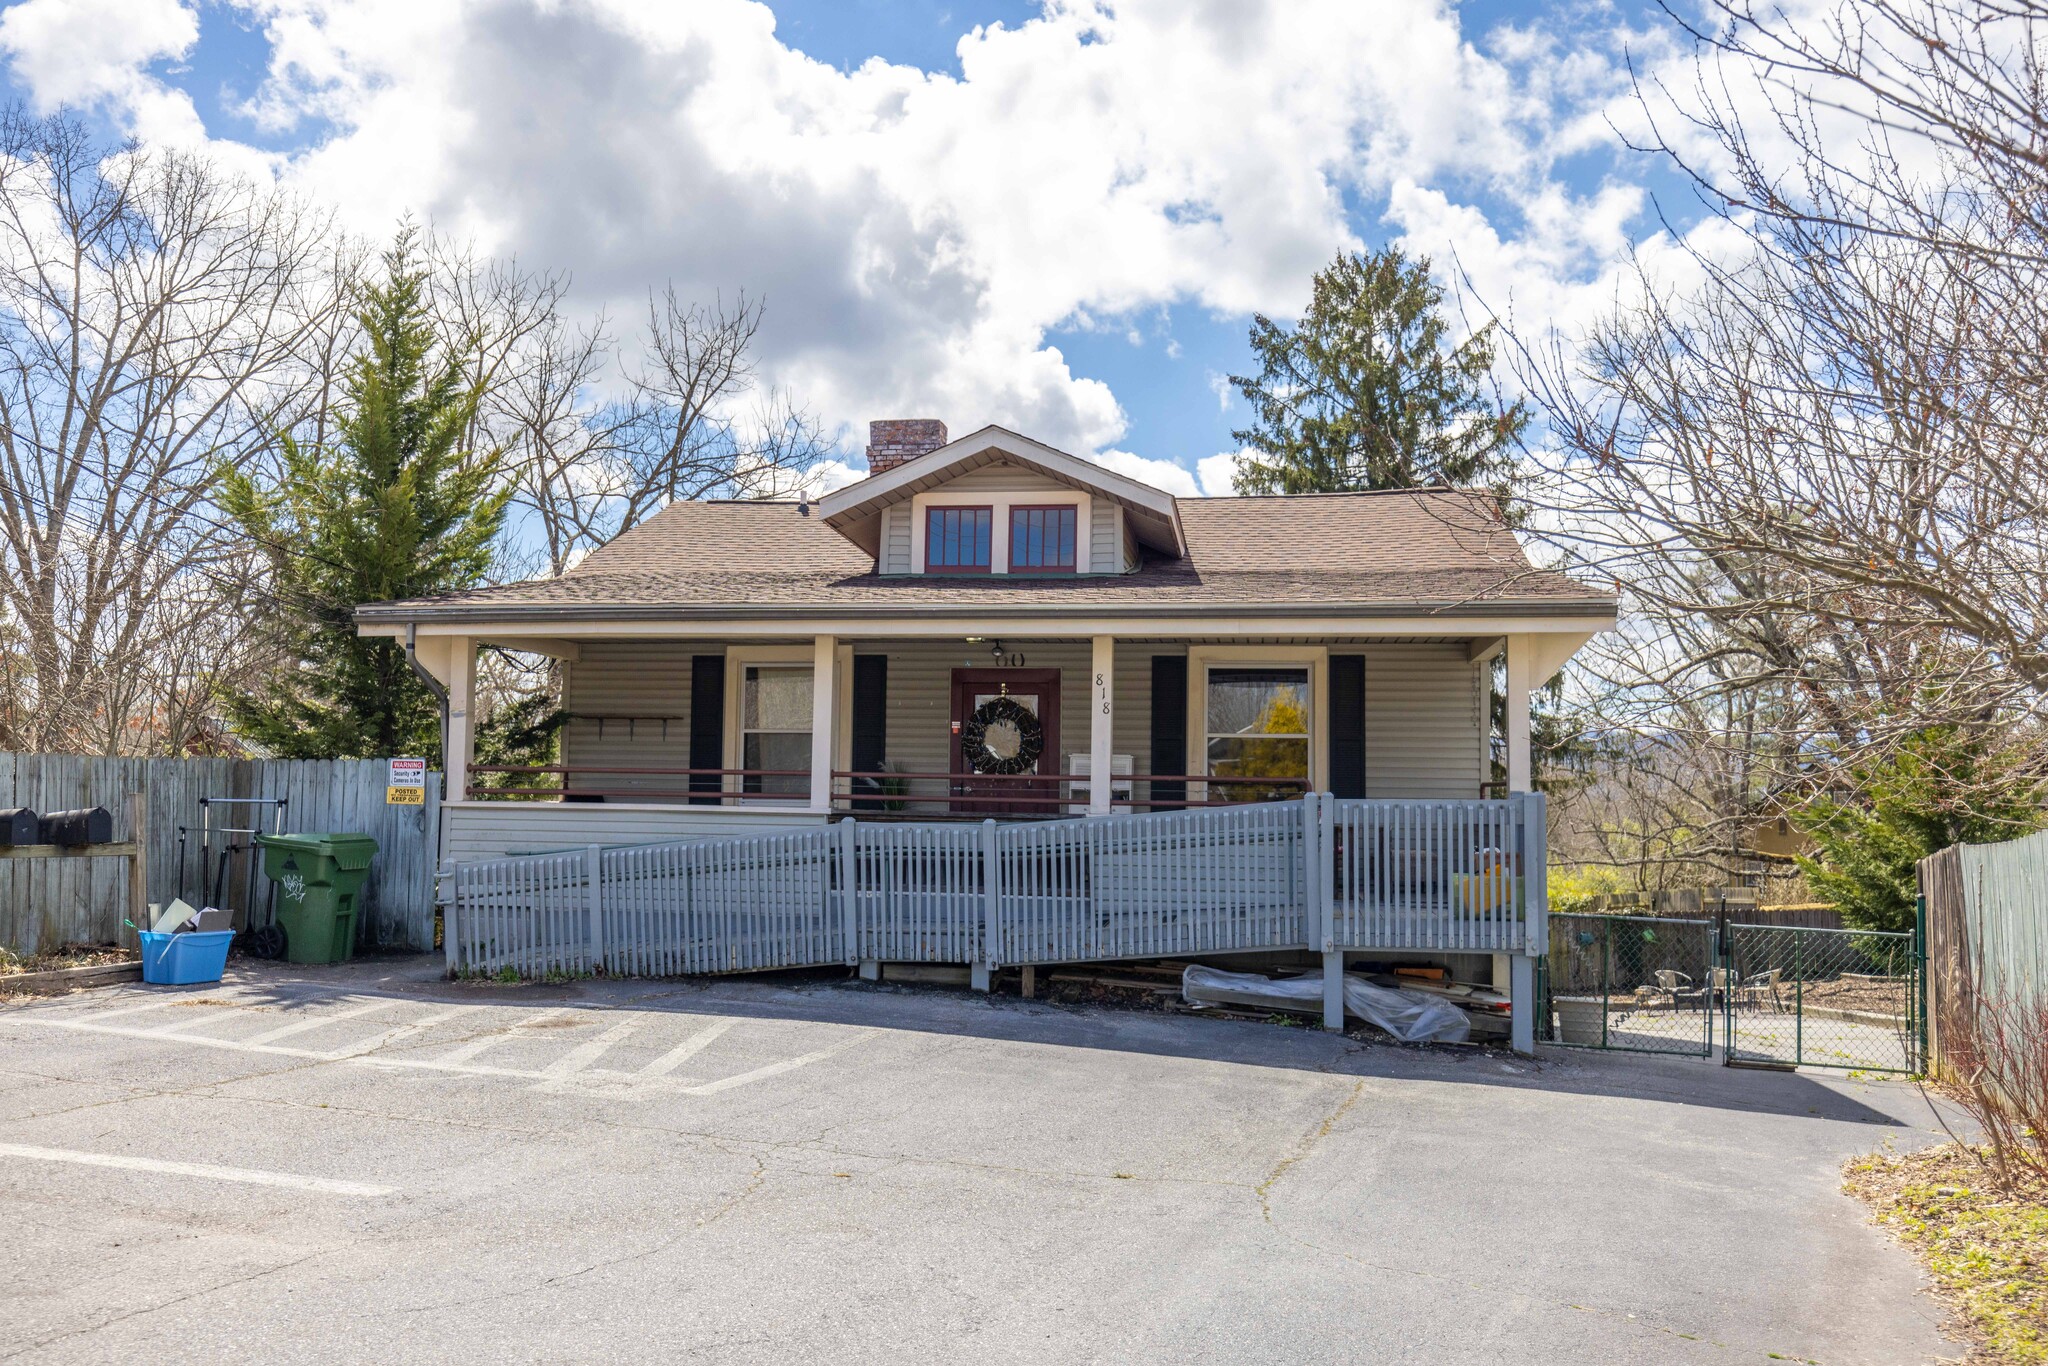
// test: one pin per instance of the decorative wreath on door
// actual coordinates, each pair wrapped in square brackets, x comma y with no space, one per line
[1002,736]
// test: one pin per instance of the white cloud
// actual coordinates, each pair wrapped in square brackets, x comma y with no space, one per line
[917,236]
[1160,474]
[92,54]
[1218,473]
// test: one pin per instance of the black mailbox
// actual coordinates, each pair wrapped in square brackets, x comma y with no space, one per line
[91,825]
[19,825]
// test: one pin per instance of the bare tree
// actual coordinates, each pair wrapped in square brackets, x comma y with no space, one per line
[1815,454]
[155,319]
[686,419]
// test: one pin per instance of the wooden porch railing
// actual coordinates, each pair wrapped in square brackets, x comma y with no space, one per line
[878,792]
[886,792]
[716,790]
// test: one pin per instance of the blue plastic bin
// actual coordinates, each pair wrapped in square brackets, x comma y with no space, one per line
[178,960]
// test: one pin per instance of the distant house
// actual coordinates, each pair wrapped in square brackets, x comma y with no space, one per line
[991,628]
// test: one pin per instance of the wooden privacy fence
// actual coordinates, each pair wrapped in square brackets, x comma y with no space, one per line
[45,903]
[1987,928]
[1318,874]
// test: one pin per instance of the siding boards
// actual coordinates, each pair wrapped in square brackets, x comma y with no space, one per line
[895,557]
[1001,479]
[1421,722]
[644,680]
[1105,538]
[478,830]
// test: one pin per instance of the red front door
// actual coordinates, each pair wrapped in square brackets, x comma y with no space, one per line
[1006,745]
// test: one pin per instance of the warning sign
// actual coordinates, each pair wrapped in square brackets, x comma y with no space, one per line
[407,785]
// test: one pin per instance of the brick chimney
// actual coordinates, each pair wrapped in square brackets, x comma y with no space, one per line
[895,440]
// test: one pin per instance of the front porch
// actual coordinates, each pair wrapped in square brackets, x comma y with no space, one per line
[742,803]
[692,737]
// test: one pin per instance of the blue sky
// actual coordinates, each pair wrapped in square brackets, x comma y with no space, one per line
[1058,218]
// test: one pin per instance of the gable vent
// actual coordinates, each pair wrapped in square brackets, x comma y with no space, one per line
[892,441]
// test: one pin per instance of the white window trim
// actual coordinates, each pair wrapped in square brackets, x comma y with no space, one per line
[999,505]
[1315,658]
[737,660]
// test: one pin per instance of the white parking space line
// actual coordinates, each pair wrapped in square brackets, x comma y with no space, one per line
[179,1029]
[400,1033]
[776,1069]
[477,1046]
[99,1015]
[573,1071]
[686,1050]
[285,1031]
[576,1059]
[156,1166]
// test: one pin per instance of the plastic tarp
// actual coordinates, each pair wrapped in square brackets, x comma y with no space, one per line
[1410,1016]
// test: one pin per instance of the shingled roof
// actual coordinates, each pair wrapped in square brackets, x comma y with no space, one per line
[1406,552]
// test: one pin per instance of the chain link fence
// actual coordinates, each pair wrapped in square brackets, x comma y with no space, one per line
[1638,984]
[1822,998]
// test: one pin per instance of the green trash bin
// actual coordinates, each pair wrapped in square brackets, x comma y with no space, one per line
[317,877]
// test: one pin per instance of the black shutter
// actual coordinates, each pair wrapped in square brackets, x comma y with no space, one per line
[869,749]
[1347,725]
[1169,728]
[707,724]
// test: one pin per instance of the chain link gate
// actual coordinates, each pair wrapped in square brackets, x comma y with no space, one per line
[1629,983]
[1794,996]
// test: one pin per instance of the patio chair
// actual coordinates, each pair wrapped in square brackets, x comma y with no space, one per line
[1760,989]
[1720,981]
[1678,987]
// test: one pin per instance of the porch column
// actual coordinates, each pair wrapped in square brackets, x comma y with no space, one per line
[1521,966]
[460,742]
[824,712]
[1101,732]
[1519,685]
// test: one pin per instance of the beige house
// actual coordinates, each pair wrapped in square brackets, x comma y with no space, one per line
[991,628]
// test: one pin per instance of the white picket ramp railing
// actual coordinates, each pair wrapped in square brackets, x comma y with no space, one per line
[1315,874]
[1449,875]
[1151,885]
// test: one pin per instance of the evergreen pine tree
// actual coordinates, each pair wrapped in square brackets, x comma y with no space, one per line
[1941,786]
[393,506]
[1365,393]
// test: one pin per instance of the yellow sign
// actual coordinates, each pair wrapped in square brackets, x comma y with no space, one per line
[407,785]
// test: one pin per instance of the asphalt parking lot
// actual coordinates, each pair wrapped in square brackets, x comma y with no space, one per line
[366,1163]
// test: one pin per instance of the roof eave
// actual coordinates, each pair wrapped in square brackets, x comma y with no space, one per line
[398,613]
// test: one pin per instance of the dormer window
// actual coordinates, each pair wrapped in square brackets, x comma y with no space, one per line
[957,540]
[1042,539]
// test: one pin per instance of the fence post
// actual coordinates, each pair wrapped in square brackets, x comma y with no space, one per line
[980,973]
[453,872]
[849,916]
[1532,856]
[593,867]
[1318,814]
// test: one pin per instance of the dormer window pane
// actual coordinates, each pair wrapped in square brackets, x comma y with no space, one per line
[1042,540]
[956,540]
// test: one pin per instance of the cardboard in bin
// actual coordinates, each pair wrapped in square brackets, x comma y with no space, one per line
[179,917]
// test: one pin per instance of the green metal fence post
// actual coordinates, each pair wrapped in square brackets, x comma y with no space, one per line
[1798,999]
[1606,976]
[1916,996]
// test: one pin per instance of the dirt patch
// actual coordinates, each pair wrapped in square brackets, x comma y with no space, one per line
[1872,998]
[69,956]
[1986,1247]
